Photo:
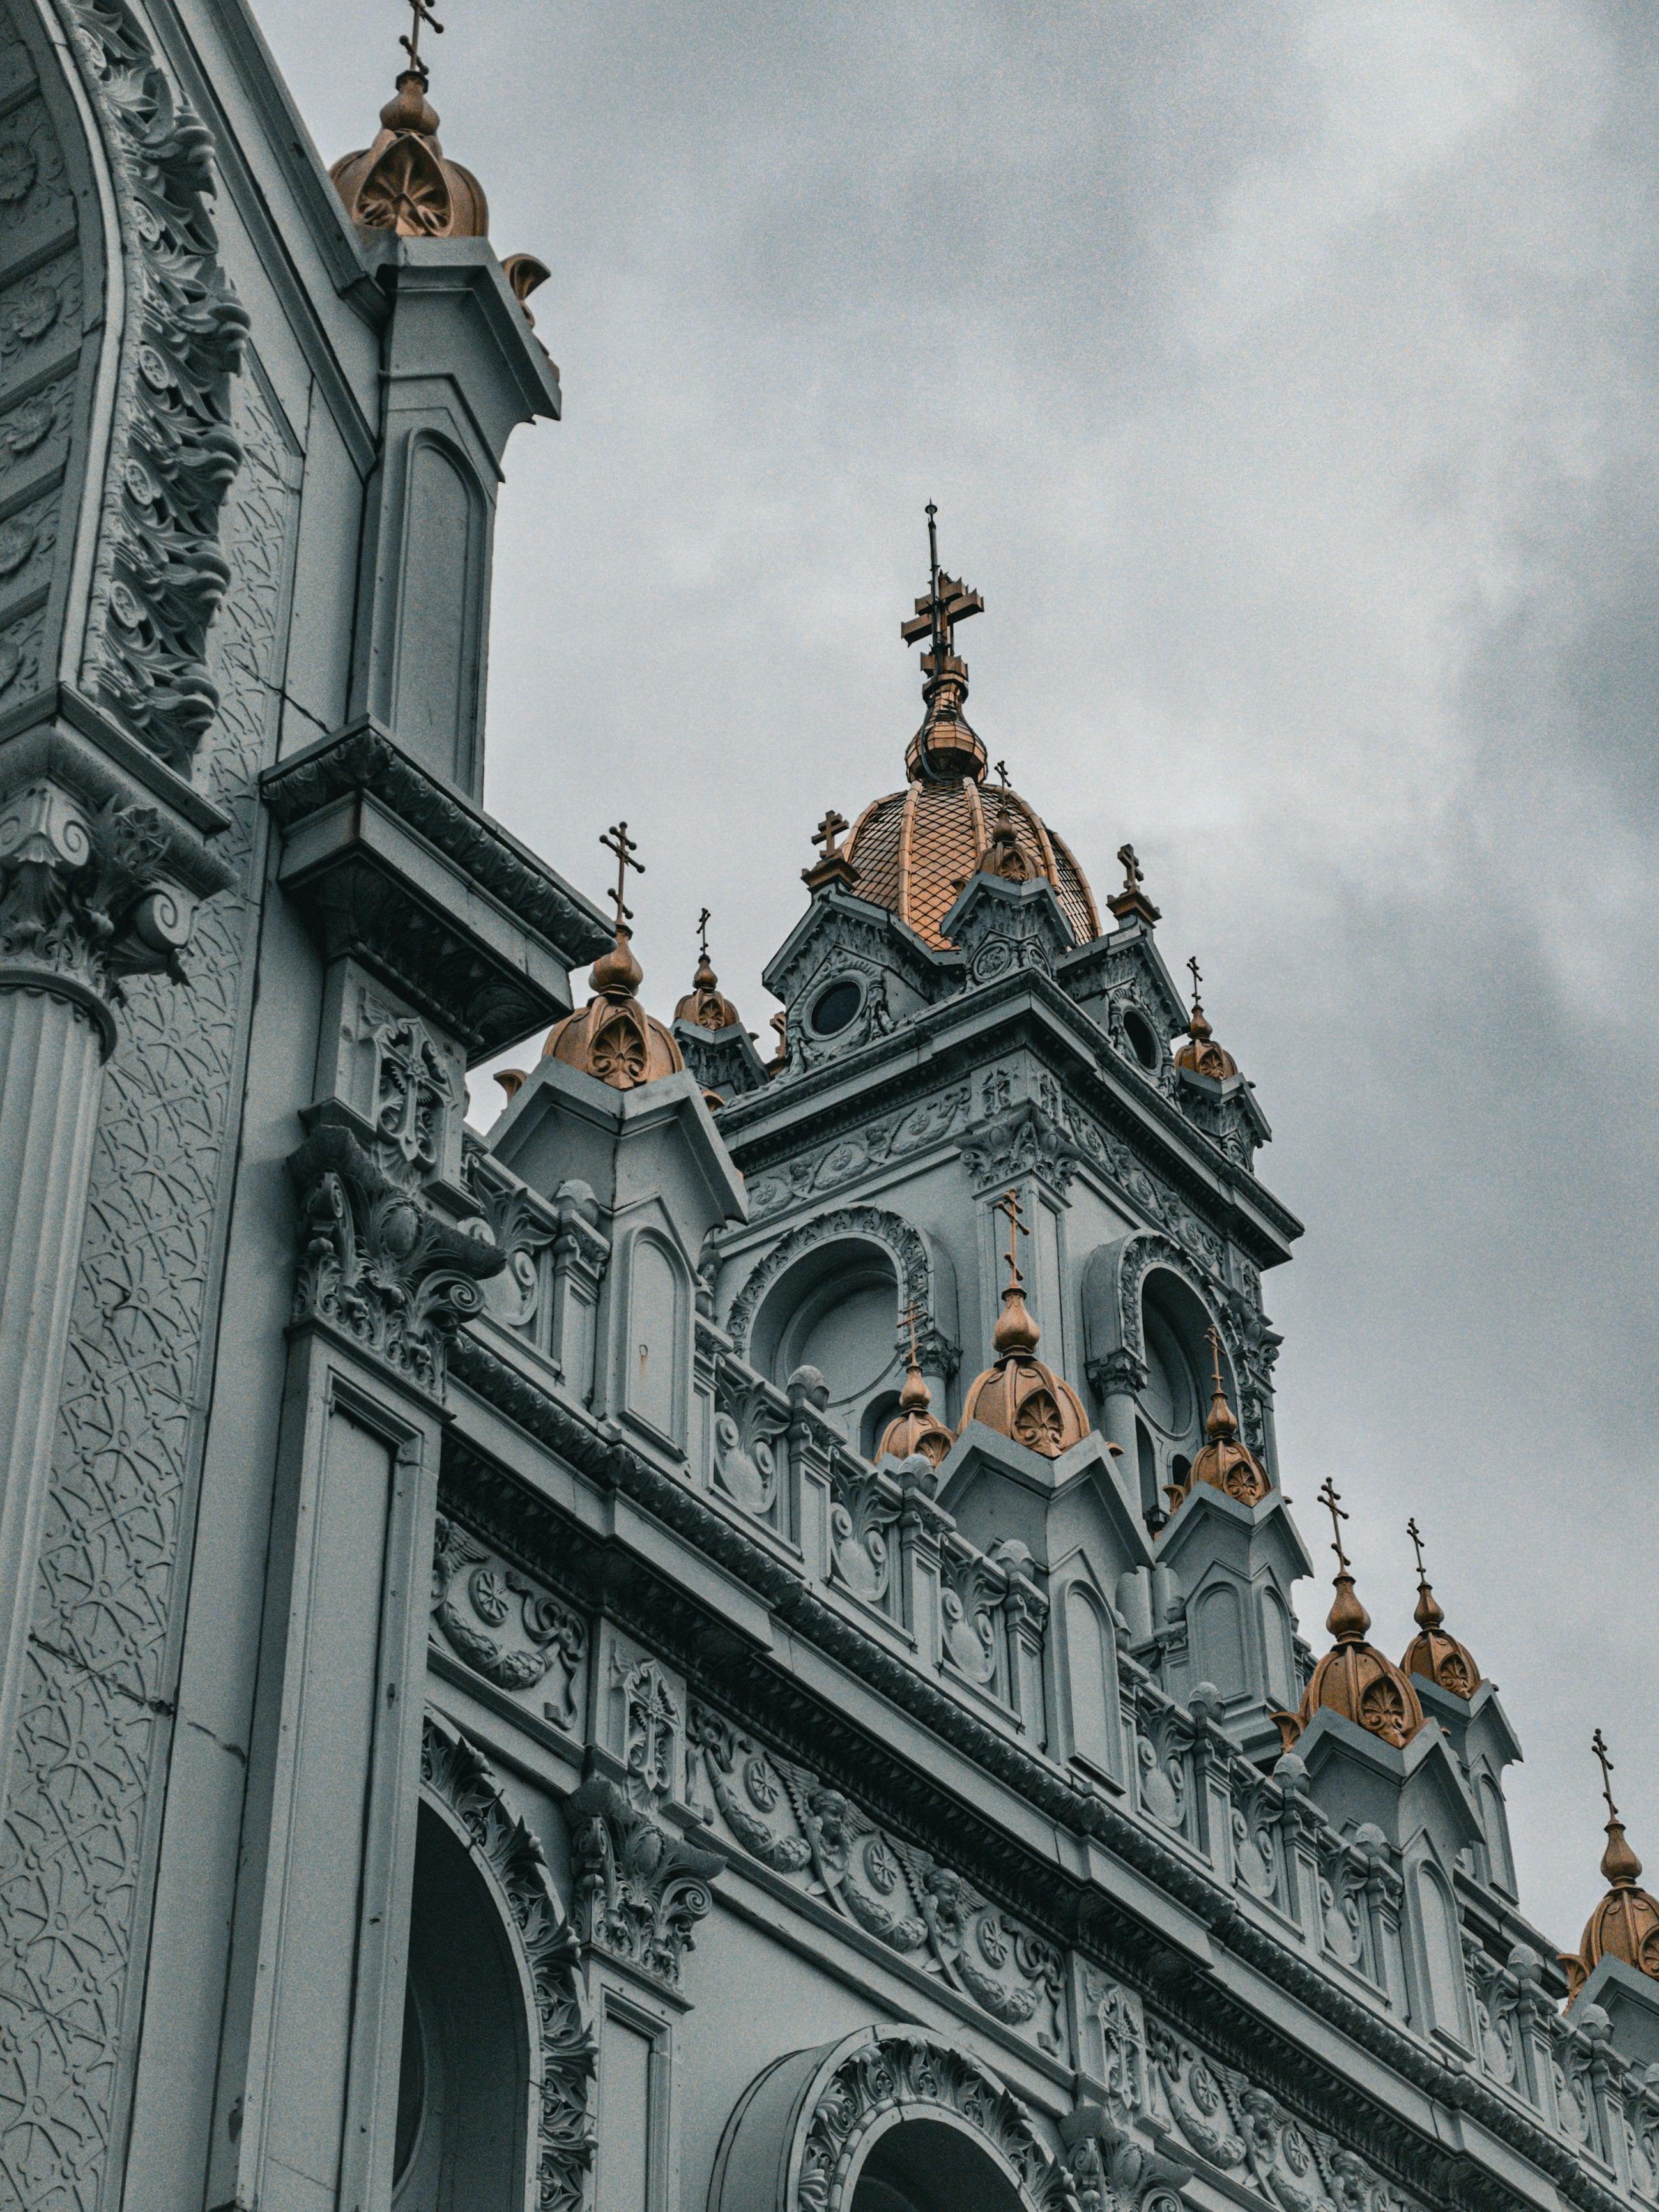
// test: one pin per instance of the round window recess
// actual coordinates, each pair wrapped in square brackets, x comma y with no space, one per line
[836,1007]
[1142,1043]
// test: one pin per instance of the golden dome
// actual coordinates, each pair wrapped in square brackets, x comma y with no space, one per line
[1354,1678]
[1202,1054]
[1019,1396]
[914,1428]
[1223,1461]
[706,1005]
[1432,1654]
[404,181]
[1625,1924]
[612,1036]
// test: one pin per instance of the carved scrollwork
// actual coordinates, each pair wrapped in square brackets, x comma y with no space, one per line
[458,1778]
[1025,1140]
[858,1152]
[640,1889]
[749,1423]
[863,1508]
[378,1264]
[472,1595]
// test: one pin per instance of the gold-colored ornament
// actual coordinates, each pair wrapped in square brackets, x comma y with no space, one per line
[1132,900]
[835,863]
[1223,1461]
[914,849]
[1202,1054]
[612,1037]
[1354,1677]
[1020,1396]
[1625,1924]
[1432,1654]
[705,1005]
[914,1428]
[404,182]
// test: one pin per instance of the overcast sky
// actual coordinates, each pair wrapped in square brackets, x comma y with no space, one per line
[1287,378]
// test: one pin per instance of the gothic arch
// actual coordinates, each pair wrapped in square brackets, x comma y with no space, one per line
[805,2130]
[924,1278]
[459,1785]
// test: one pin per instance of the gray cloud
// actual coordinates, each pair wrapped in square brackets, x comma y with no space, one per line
[1287,376]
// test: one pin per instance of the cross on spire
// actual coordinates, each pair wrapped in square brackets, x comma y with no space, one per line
[410,41]
[703,934]
[1416,1535]
[1328,1497]
[617,840]
[1215,1342]
[827,832]
[948,602]
[910,1325]
[1193,969]
[1598,1744]
[1008,1204]
[1134,875]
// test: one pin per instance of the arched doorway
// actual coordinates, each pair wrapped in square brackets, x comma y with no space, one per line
[923,2166]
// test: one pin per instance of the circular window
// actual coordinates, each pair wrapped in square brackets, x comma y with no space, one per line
[1142,1041]
[836,1007]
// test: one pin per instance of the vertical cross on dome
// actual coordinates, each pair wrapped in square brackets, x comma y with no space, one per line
[1598,1744]
[410,41]
[617,840]
[1008,1204]
[1328,1497]
[947,602]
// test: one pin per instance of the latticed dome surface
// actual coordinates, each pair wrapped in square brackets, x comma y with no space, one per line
[914,849]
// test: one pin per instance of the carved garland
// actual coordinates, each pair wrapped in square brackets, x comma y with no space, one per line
[158,576]
[911,1259]
[458,1779]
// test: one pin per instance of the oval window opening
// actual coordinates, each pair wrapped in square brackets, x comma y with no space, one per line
[1142,1043]
[836,1008]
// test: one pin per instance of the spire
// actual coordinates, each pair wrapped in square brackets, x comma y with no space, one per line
[1625,1924]
[1434,1655]
[913,1428]
[404,182]
[1016,1333]
[706,1005]
[1223,1461]
[1353,1679]
[944,749]
[833,865]
[1132,902]
[1203,1055]
[1347,1620]
[613,1038]
[1018,1395]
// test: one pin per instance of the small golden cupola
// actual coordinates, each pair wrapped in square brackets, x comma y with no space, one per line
[1625,1924]
[1019,1396]
[1223,1461]
[914,1428]
[1354,1677]
[706,1005]
[404,182]
[1202,1054]
[612,1037]
[1433,1655]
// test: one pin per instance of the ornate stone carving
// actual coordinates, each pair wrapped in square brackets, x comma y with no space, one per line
[158,576]
[85,901]
[749,1423]
[640,1889]
[475,1597]
[1156,1197]
[912,1263]
[863,1508]
[790,1821]
[1026,1140]
[858,1152]
[73,1860]
[923,2077]
[1113,2171]
[458,1778]
[652,1723]
[379,1265]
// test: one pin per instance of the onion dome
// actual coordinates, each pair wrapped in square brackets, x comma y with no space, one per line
[913,1428]
[914,850]
[1202,1054]
[705,1004]
[1019,1396]
[1223,1461]
[404,182]
[1625,1924]
[1432,1654]
[612,1037]
[1354,1678]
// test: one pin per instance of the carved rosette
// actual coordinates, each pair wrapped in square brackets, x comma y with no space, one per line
[85,900]
[458,1778]
[378,1264]
[640,1889]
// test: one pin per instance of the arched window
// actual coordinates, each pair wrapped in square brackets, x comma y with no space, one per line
[1282,1686]
[656,1354]
[1442,1953]
[1091,1681]
[837,1310]
[1176,1396]
[925,2167]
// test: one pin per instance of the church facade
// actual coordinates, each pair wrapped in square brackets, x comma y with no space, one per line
[726,1643]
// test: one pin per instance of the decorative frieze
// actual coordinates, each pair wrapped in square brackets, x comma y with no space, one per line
[507,1628]
[858,1152]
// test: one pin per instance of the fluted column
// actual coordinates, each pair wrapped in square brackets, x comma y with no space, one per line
[81,903]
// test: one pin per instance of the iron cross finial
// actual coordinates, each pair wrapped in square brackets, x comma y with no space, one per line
[410,42]
[1215,1342]
[1195,971]
[1329,1498]
[910,1324]
[827,832]
[1598,1744]
[1133,875]
[617,840]
[948,601]
[703,934]
[1008,1204]
[1416,1535]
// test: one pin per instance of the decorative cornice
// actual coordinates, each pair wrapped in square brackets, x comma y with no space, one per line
[1080,1916]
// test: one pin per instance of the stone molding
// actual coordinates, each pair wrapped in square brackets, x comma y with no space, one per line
[547,1643]
[640,1888]
[613,1465]
[800,2135]
[1024,1141]
[458,1778]
[858,1152]
[377,1265]
[912,1262]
